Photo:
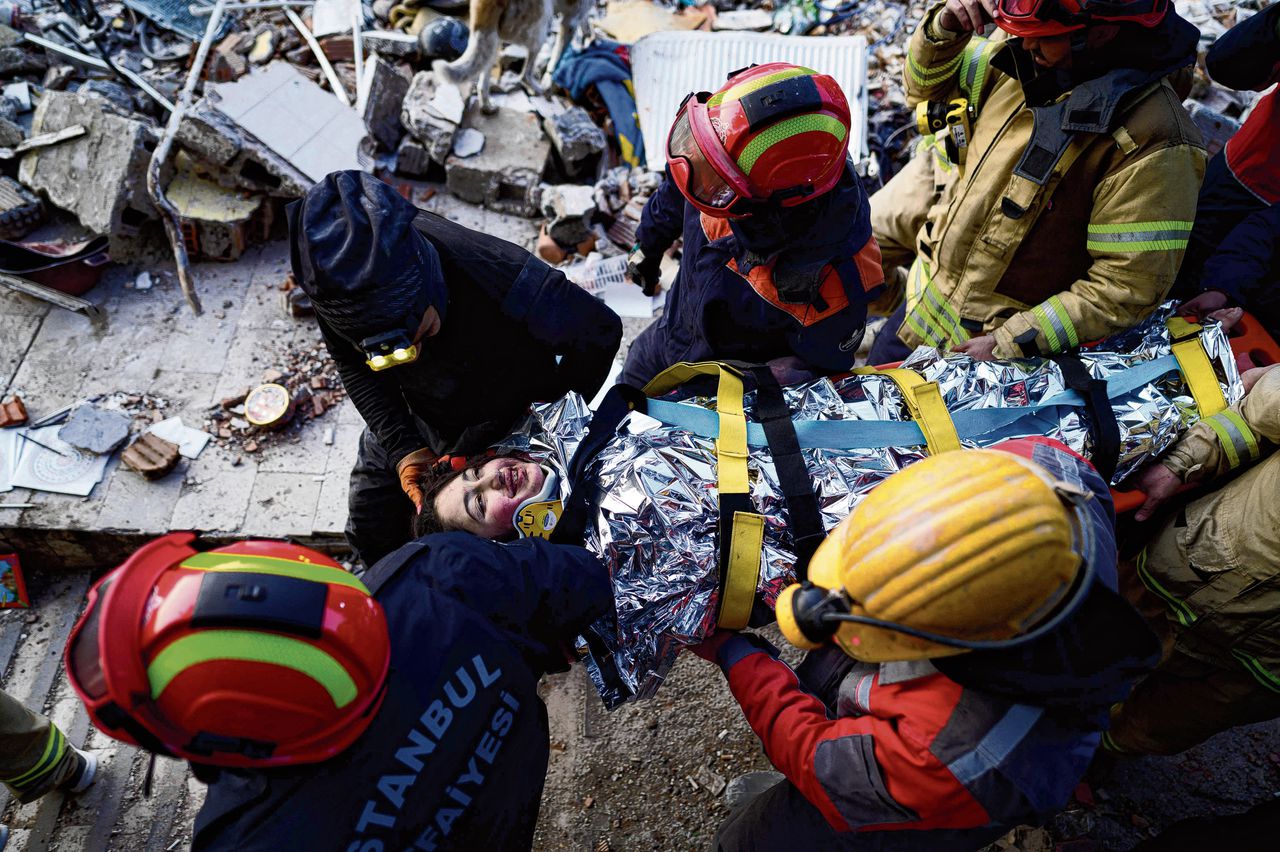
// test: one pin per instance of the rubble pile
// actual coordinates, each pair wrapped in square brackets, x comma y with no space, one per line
[311,379]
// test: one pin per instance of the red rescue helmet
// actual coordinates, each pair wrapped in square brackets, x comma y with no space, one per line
[774,132]
[256,654]
[1047,18]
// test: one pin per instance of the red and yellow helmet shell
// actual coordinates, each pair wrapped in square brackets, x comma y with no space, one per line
[256,654]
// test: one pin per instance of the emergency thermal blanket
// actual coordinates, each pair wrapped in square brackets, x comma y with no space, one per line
[654,511]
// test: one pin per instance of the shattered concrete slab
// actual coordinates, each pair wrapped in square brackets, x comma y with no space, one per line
[242,161]
[383,88]
[505,176]
[96,430]
[302,123]
[218,223]
[422,119]
[99,177]
[577,140]
[412,159]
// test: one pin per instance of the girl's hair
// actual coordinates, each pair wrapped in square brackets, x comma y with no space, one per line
[428,520]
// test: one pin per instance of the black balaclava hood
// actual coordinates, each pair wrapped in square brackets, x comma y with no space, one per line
[356,253]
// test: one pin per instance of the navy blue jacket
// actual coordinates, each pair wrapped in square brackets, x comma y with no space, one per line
[1246,267]
[508,319]
[457,755]
[725,303]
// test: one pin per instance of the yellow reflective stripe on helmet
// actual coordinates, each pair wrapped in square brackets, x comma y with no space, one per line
[1258,670]
[251,646]
[1235,436]
[974,63]
[929,76]
[1056,324]
[775,133]
[1167,235]
[1181,611]
[743,89]
[55,746]
[1200,377]
[252,563]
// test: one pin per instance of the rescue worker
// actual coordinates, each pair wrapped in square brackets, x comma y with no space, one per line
[1232,256]
[442,336]
[974,592]
[35,757]
[1209,581]
[327,714]
[778,261]
[1075,192]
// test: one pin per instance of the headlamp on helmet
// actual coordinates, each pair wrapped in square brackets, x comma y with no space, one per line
[389,349]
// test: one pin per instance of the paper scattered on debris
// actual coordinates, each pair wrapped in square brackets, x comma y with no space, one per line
[68,471]
[190,441]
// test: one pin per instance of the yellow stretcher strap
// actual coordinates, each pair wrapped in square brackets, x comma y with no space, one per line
[1195,366]
[925,405]
[746,537]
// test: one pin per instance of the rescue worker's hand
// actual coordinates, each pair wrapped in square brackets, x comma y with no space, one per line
[1159,484]
[708,648]
[1249,378]
[978,348]
[1204,304]
[644,269]
[411,469]
[790,370]
[967,16]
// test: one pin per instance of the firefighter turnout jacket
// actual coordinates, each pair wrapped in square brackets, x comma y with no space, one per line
[983,739]
[1076,199]
[1210,584]
[456,757]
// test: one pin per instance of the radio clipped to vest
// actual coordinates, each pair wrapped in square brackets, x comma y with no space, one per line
[950,121]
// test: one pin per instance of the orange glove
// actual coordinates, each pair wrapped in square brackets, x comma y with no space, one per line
[410,470]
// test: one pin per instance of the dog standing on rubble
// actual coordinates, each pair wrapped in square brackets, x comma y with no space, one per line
[523,22]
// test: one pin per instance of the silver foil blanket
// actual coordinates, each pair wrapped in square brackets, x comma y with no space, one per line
[655,507]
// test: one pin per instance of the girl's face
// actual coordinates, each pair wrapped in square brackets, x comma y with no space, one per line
[482,500]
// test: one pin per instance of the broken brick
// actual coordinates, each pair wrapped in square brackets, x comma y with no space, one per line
[13,412]
[319,382]
[151,456]
[230,402]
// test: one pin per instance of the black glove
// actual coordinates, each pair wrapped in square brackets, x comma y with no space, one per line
[644,268]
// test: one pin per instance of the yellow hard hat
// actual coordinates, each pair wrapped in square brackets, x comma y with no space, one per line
[972,545]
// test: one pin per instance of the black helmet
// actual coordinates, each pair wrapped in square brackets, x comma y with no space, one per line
[356,253]
[444,38]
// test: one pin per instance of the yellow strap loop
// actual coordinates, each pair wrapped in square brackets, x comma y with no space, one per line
[1196,368]
[925,405]
[746,538]
[739,592]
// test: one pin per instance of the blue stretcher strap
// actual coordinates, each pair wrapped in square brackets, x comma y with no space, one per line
[872,434]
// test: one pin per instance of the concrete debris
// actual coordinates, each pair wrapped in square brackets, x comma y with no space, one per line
[217,223]
[570,210]
[11,133]
[413,160]
[151,456]
[577,140]
[19,94]
[99,177]
[507,174]
[143,281]
[743,19]
[468,142]
[383,89]
[20,210]
[95,430]
[423,123]
[447,104]
[263,48]
[320,134]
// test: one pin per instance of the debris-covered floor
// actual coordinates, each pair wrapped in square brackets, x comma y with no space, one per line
[287,96]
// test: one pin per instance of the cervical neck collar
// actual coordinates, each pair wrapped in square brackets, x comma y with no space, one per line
[536,517]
